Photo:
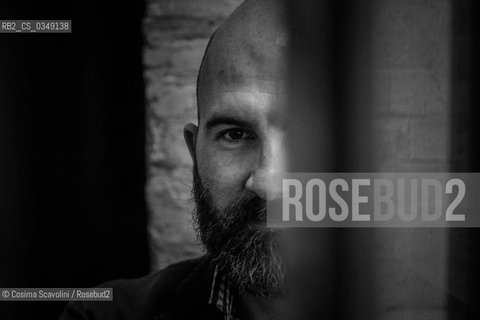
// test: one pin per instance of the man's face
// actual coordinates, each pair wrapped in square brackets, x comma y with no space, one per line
[238,158]
[238,147]
[240,140]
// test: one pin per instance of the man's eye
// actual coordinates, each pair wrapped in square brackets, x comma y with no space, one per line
[235,135]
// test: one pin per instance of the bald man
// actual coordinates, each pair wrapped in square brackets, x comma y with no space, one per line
[237,152]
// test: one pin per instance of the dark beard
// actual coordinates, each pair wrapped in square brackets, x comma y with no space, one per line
[239,242]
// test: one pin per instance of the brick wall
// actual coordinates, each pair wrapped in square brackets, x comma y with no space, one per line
[176,34]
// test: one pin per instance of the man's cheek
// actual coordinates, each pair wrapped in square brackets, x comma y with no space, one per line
[224,182]
[223,188]
[229,167]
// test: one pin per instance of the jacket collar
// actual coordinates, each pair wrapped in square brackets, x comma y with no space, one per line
[194,291]
[197,282]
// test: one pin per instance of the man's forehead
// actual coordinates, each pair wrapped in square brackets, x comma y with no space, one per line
[246,59]
[249,101]
[243,65]
[251,86]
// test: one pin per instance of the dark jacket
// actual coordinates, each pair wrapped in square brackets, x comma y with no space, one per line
[181,291]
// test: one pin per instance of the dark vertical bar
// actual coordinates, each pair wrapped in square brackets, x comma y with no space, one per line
[464,244]
[330,270]
[72,166]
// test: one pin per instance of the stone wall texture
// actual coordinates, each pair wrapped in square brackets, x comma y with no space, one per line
[176,34]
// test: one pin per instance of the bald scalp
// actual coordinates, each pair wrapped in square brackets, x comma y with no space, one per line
[248,49]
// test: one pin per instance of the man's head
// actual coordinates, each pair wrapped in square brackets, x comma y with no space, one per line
[238,146]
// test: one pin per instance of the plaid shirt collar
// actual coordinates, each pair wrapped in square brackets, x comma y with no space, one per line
[221,295]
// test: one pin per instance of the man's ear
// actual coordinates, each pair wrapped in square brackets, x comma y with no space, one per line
[190,134]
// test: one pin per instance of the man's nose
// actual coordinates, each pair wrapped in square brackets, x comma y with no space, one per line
[266,177]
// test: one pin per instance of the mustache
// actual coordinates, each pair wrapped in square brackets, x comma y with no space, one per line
[246,214]
[248,209]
